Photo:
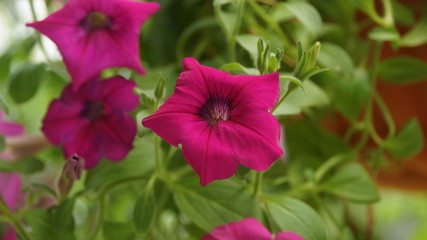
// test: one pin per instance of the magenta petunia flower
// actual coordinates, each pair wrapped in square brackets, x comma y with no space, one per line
[220,120]
[96,34]
[247,229]
[9,128]
[93,121]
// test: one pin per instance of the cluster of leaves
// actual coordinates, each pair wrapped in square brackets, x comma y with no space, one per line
[319,192]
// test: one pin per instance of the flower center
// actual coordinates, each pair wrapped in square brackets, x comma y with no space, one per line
[96,21]
[215,109]
[92,110]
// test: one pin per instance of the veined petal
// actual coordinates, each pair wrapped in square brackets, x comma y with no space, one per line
[253,147]
[287,236]
[247,229]
[256,92]
[205,148]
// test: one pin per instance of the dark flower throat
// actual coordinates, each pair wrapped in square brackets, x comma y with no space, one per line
[215,109]
[92,110]
[95,20]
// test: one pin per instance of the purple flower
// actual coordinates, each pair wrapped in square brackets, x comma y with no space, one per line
[96,34]
[220,120]
[93,121]
[247,229]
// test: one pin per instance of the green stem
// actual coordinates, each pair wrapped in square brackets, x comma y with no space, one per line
[38,36]
[157,152]
[282,98]
[388,13]
[258,183]
[13,220]
[272,23]
[372,77]
[386,114]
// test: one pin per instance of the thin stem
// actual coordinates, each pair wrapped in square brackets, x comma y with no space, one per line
[386,114]
[282,98]
[388,13]
[258,183]
[38,36]
[272,23]
[157,152]
[12,219]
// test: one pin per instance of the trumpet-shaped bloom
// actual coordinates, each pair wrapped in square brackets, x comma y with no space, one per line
[247,229]
[96,34]
[220,120]
[93,121]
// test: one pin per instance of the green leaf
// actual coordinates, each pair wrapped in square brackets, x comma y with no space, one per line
[143,213]
[336,59]
[249,43]
[408,142]
[117,230]
[299,99]
[227,19]
[24,82]
[292,215]
[215,204]
[306,14]
[26,166]
[351,95]
[55,223]
[238,68]
[136,164]
[417,36]
[5,68]
[281,13]
[353,183]
[384,34]
[403,70]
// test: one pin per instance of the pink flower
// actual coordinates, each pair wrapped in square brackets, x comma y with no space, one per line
[9,128]
[96,34]
[220,120]
[92,122]
[247,229]
[10,187]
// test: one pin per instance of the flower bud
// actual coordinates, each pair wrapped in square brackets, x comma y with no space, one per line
[71,172]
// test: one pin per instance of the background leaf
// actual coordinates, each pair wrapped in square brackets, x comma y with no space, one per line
[293,215]
[403,70]
[216,204]
[408,142]
[353,183]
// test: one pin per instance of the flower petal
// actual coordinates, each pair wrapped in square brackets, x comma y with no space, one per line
[84,143]
[10,187]
[287,236]
[9,128]
[205,148]
[115,47]
[62,120]
[247,229]
[117,92]
[254,138]
[116,132]
[256,92]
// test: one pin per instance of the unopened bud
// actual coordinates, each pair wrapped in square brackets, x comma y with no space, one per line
[71,172]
